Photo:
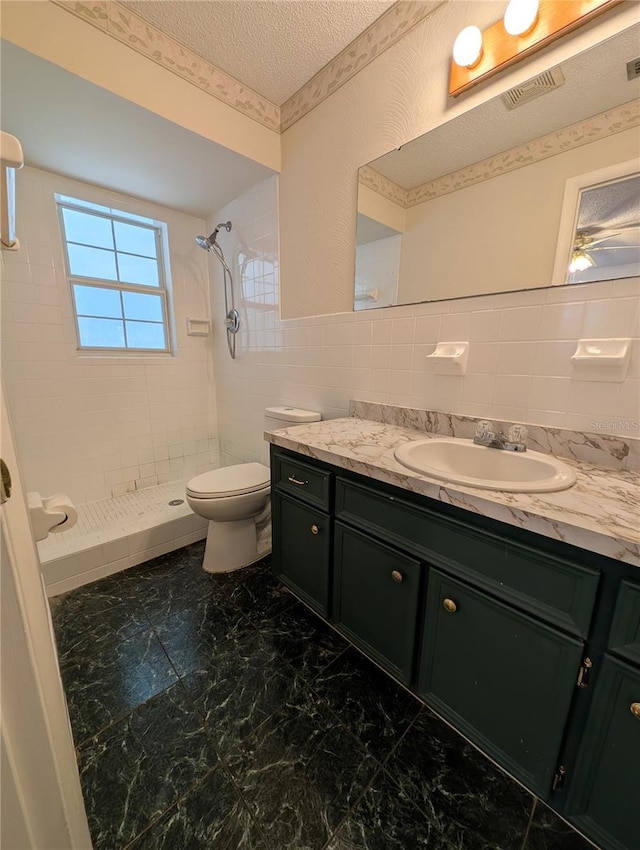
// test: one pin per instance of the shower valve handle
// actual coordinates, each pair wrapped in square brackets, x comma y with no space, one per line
[232,321]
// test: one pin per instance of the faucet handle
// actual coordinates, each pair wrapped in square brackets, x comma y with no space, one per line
[484,428]
[518,434]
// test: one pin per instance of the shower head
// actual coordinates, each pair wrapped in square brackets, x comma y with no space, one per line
[207,242]
[203,242]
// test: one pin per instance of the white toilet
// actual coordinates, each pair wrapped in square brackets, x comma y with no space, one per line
[235,500]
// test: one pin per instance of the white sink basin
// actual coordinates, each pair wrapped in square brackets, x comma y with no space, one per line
[462,462]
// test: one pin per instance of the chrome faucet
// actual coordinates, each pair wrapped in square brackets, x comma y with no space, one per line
[487,435]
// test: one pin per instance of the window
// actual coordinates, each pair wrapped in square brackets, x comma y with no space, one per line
[116,272]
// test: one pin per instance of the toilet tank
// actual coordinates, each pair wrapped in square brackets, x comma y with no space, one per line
[285,417]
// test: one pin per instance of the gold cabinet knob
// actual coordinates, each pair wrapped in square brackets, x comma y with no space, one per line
[315,529]
[397,576]
[635,709]
[450,606]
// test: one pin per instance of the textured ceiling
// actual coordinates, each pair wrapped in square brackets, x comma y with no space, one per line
[272,46]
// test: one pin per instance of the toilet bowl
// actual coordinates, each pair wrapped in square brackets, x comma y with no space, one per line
[231,499]
[235,500]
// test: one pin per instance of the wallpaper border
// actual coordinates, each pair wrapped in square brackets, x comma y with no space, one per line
[127,27]
[608,123]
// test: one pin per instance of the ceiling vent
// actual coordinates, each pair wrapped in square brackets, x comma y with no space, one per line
[633,69]
[541,84]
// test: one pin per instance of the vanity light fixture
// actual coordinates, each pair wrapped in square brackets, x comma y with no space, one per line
[467,48]
[528,26]
[521,16]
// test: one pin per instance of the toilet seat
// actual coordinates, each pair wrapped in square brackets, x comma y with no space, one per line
[236,480]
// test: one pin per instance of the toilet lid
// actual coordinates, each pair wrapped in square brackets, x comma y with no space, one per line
[230,481]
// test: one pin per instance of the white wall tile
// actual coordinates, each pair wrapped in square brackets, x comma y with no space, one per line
[611,318]
[80,404]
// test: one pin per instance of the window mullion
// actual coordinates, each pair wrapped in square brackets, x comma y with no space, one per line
[115,284]
[115,250]
[124,324]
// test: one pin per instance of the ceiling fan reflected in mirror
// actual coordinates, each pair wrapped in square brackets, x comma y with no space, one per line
[589,240]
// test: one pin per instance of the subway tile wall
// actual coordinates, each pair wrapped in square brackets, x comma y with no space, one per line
[100,426]
[519,367]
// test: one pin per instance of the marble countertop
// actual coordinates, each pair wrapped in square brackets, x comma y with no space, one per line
[600,513]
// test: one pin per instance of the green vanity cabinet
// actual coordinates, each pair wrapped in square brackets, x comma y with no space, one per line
[604,791]
[528,646]
[503,678]
[604,794]
[375,599]
[302,550]
[624,637]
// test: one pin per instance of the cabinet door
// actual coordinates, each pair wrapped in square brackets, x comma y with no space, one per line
[301,550]
[604,790]
[502,678]
[375,599]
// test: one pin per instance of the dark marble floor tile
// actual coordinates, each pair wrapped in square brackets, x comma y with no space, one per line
[386,819]
[195,637]
[258,595]
[211,817]
[301,640]
[367,701]
[467,800]
[171,583]
[92,617]
[242,685]
[301,771]
[140,765]
[549,832]
[111,683]
[183,564]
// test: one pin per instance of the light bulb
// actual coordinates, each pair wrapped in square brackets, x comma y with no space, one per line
[467,48]
[580,262]
[521,16]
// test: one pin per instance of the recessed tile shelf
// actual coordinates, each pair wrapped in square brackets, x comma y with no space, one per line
[601,360]
[198,327]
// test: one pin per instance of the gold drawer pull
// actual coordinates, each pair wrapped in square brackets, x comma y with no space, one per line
[397,576]
[450,606]
[315,529]
[635,709]
[294,480]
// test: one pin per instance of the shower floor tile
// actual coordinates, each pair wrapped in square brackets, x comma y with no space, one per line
[215,711]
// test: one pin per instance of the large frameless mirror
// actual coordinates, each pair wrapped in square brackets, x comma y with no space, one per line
[538,187]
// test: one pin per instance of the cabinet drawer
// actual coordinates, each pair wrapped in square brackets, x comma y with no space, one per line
[624,638]
[554,589]
[502,678]
[376,591]
[303,481]
[604,792]
[302,551]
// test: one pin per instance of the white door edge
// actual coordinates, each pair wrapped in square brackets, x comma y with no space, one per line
[44,777]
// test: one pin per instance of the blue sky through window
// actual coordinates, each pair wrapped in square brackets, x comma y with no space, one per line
[120,311]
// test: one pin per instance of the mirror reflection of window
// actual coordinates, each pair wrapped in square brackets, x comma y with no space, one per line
[607,237]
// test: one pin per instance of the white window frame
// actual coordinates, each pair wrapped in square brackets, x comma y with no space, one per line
[574,187]
[163,288]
